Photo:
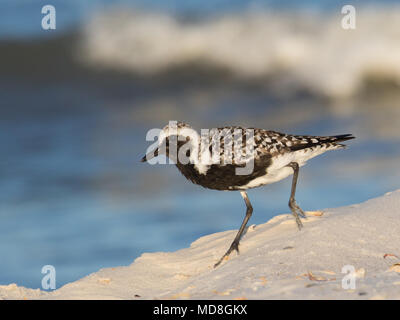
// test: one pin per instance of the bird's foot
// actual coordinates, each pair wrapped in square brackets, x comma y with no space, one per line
[234,246]
[298,221]
[297,213]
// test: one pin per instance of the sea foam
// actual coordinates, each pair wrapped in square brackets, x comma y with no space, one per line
[313,50]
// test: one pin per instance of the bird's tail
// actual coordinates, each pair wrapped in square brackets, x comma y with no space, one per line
[340,138]
[328,141]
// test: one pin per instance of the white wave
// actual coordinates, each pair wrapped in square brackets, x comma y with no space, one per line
[314,50]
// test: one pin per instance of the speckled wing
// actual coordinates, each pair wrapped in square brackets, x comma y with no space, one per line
[265,145]
[236,145]
[276,143]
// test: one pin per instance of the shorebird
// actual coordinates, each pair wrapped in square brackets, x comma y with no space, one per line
[274,156]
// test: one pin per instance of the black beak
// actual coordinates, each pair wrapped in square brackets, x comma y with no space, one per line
[149,156]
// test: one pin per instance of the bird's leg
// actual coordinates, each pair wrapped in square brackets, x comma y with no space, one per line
[296,210]
[235,243]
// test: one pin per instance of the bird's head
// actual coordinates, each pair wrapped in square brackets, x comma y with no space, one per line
[170,140]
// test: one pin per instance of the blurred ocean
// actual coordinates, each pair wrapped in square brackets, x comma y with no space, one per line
[76,104]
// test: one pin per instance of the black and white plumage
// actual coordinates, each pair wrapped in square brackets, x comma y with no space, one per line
[274,156]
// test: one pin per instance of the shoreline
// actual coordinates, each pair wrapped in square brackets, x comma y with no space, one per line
[276,261]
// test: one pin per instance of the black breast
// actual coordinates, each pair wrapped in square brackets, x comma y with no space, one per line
[224,177]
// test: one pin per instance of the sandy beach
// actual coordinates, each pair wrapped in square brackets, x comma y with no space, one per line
[78,101]
[276,261]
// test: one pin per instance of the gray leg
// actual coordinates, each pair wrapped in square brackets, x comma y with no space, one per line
[235,243]
[296,210]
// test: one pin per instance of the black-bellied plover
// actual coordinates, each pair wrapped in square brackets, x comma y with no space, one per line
[273,156]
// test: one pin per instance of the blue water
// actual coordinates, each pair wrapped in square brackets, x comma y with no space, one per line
[22,18]
[73,193]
